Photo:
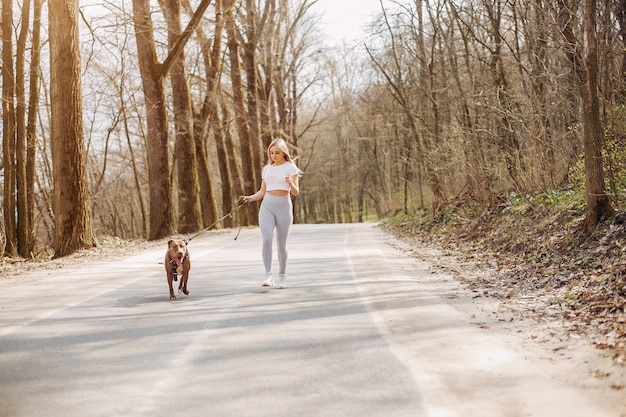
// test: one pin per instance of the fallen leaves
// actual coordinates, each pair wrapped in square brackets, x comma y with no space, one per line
[542,267]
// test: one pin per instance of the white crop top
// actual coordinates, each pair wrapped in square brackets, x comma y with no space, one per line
[274,175]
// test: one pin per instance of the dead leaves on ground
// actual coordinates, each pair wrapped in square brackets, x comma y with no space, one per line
[543,268]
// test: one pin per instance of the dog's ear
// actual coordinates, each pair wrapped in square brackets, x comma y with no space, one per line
[186,241]
[169,242]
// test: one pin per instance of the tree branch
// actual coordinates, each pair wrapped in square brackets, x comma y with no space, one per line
[184,37]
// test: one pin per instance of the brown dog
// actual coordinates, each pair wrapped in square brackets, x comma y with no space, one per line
[177,262]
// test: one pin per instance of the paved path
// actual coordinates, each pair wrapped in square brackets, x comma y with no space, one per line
[362,330]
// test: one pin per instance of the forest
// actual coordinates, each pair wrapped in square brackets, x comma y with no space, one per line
[144,119]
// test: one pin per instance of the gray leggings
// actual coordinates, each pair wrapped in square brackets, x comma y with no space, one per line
[276,213]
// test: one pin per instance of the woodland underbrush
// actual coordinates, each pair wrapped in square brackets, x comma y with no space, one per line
[539,262]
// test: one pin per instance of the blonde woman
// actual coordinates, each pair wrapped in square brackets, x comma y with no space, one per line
[279,180]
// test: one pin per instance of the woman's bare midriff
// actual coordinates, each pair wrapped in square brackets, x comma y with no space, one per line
[279,192]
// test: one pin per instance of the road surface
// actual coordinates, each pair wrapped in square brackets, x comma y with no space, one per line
[364,329]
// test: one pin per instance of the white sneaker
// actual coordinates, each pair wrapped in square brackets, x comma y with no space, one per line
[269,280]
[282,281]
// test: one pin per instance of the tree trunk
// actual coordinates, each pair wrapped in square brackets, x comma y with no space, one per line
[232,167]
[189,217]
[264,91]
[161,216]
[599,205]
[73,222]
[152,75]
[136,176]
[8,129]
[229,195]
[243,128]
[23,226]
[620,15]
[505,129]
[211,53]
[476,177]
[254,28]
[31,127]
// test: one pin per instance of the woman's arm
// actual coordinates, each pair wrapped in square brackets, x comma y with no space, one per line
[293,184]
[256,196]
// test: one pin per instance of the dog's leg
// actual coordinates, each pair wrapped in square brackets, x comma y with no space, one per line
[183,283]
[170,278]
[180,271]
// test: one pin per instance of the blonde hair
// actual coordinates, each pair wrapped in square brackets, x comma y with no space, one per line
[281,144]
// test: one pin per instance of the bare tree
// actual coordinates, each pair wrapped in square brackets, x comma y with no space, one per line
[8,129]
[23,226]
[152,75]
[161,210]
[242,124]
[73,221]
[31,127]
[420,130]
[211,52]
[599,205]
[478,179]
[620,14]
[506,130]
[189,217]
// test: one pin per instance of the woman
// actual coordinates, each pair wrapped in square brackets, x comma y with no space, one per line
[279,179]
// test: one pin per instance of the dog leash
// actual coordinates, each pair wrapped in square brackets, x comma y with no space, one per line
[240,203]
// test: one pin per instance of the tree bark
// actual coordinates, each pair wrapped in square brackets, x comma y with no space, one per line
[243,128]
[599,205]
[161,212]
[152,76]
[31,127]
[620,15]
[23,226]
[229,194]
[211,54]
[73,221]
[236,183]
[189,216]
[254,30]
[8,130]
[478,179]
[505,129]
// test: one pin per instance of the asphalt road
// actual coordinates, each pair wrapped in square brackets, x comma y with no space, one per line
[362,330]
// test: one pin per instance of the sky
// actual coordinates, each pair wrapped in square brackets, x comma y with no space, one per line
[343,19]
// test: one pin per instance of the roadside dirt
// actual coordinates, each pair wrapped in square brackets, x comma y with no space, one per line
[15,271]
[559,293]
[540,267]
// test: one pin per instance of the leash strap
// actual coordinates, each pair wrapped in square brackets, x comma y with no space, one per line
[229,214]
